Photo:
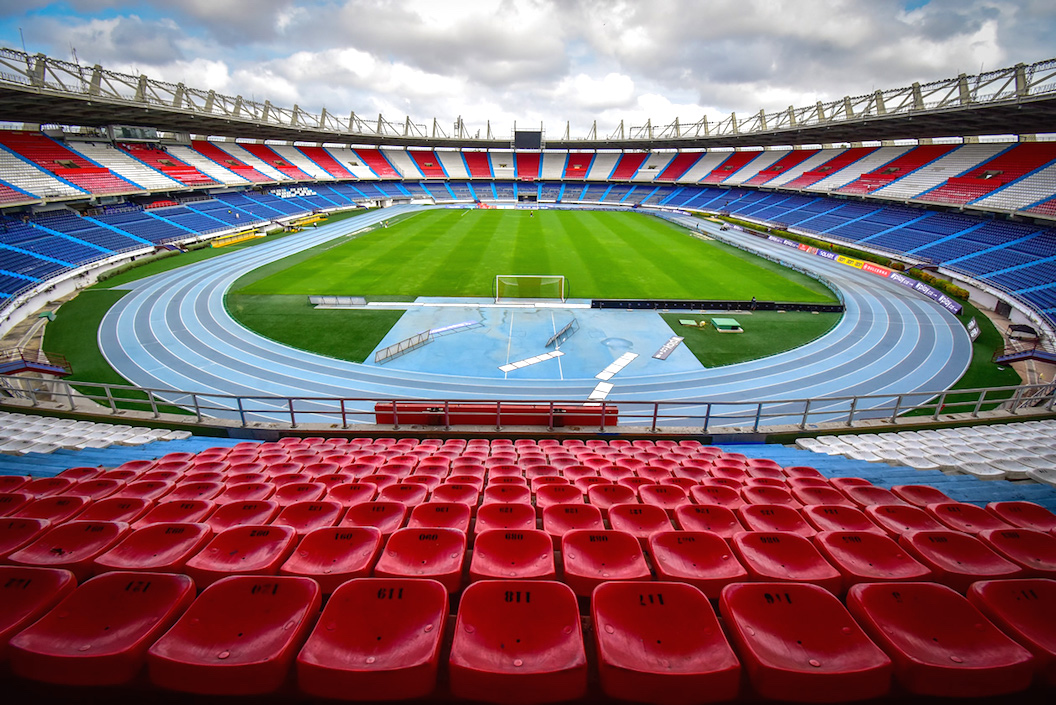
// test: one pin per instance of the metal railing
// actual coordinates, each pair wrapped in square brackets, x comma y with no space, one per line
[728,417]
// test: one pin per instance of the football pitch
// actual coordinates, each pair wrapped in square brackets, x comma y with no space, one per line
[459,252]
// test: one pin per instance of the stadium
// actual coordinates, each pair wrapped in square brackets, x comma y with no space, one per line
[300,406]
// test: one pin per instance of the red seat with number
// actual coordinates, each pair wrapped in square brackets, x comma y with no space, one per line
[868,557]
[239,637]
[310,515]
[387,517]
[1025,515]
[26,593]
[798,642]
[661,643]
[940,644]
[186,511]
[837,517]
[506,554]
[228,516]
[639,520]
[73,546]
[593,557]
[126,509]
[100,633]
[16,532]
[957,559]
[605,496]
[775,555]
[700,558]
[518,642]
[1026,611]
[714,518]
[161,548]
[1034,551]
[437,554]
[333,555]
[559,519]
[377,639]
[437,514]
[774,517]
[241,550]
[504,516]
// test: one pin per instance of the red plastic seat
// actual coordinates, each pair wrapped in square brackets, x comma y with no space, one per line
[639,520]
[774,517]
[774,555]
[769,496]
[501,554]
[447,515]
[551,495]
[1026,611]
[767,482]
[1034,551]
[11,502]
[377,639]
[152,490]
[713,518]
[837,517]
[56,508]
[47,486]
[72,546]
[294,492]
[194,490]
[245,478]
[515,517]
[25,595]
[843,483]
[830,496]
[126,509]
[353,493]
[160,548]
[242,550]
[559,519]
[540,480]
[957,559]
[518,642]
[717,494]
[228,516]
[437,554]
[667,497]
[307,516]
[120,474]
[100,633]
[661,643]
[461,492]
[798,642]
[507,494]
[16,532]
[186,511]
[899,519]
[1025,515]
[868,557]
[700,558]
[407,493]
[239,637]
[245,492]
[940,644]
[605,496]
[77,474]
[159,474]
[593,557]
[96,488]
[869,495]
[387,517]
[333,555]
[920,495]
[11,483]
[635,482]
[966,518]
[808,481]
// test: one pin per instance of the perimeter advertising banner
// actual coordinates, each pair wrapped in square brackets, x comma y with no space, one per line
[931,292]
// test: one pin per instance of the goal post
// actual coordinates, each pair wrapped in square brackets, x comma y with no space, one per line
[523,288]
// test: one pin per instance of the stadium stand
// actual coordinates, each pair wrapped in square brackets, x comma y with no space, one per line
[896,169]
[678,166]
[478,165]
[266,154]
[628,166]
[935,172]
[728,166]
[53,157]
[167,164]
[750,170]
[428,164]
[787,160]
[324,160]
[579,165]
[122,164]
[997,172]
[553,164]
[243,155]
[880,157]
[454,165]
[402,162]
[210,151]
[602,166]
[653,166]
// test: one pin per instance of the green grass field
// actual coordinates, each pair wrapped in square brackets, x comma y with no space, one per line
[601,254]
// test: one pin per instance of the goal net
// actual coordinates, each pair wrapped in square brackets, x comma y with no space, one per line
[523,288]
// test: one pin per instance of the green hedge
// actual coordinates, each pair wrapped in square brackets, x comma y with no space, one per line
[939,283]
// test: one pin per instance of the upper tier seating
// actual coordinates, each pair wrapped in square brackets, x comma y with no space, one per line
[265,154]
[579,164]
[404,164]
[326,161]
[678,166]
[653,166]
[897,168]
[841,160]
[211,151]
[11,196]
[733,162]
[296,158]
[789,160]
[602,165]
[879,157]
[553,165]
[995,173]
[762,161]
[478,164]
[628,166]
[428,163]
[168,165]
[528,165]
[65,164]
[122,164]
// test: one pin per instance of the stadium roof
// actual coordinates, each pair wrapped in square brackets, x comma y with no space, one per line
[1016,100]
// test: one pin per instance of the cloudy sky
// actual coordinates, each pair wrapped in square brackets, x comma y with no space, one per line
[538,60]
